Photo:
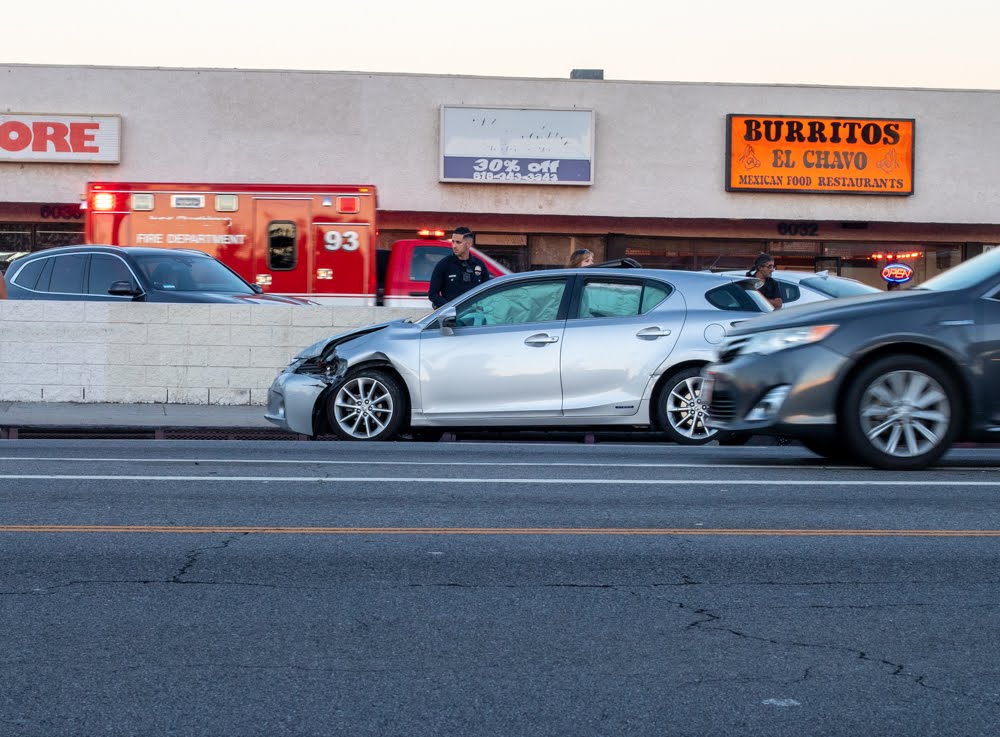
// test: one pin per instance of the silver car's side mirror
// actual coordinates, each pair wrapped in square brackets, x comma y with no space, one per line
[448,320]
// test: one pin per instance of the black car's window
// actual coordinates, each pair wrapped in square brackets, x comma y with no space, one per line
[105,270]
[42,285]
[511,304]
[788,292]
[619,297]
[27,276]
[172,272]
[732,297]
[67,274]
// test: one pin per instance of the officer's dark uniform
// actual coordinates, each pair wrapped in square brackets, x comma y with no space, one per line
[453,277]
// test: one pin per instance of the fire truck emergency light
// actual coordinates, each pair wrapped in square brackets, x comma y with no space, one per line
[427,233]
[349,204]
[104,201]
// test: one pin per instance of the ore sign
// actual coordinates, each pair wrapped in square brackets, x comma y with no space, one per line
[794,154]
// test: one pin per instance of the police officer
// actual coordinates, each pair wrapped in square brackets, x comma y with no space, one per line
[458,273]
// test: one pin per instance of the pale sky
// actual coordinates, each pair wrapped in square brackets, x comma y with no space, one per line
[882,43]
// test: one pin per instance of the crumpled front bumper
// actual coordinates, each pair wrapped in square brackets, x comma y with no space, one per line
[291,401]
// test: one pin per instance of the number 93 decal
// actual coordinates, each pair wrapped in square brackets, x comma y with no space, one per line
[334,240]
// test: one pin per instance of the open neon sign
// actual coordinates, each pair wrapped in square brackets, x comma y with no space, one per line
[897,273]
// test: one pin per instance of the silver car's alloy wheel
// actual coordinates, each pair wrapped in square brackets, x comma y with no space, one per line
[682,414]
[905,413]
[367,406]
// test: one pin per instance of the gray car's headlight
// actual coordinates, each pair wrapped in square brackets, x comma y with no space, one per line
[778,340]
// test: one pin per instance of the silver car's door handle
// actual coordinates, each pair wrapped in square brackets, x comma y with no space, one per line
[652,333]
[540,339]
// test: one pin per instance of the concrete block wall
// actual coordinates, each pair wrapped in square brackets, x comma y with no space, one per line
[168,353]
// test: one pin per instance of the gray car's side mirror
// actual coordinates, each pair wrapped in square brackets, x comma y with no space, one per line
[448,319]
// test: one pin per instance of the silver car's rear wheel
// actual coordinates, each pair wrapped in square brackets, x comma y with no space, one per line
[902,413]
[679,409]
[369,405]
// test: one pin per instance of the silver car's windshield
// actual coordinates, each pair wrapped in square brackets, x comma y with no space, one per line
[179,273]
[977,269]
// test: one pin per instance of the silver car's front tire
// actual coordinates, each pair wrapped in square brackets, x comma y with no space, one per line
[902,413]
[369,405]
[680,412]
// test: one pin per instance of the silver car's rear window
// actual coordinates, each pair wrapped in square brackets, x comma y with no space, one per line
[837,287]
[733,297]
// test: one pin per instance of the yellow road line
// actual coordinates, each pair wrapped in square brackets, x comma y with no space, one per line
[621,531]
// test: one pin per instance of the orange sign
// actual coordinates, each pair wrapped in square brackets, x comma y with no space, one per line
[780,153]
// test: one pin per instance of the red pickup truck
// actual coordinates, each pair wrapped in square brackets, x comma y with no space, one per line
[404,271]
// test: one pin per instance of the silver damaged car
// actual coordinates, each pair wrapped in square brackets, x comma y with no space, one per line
[554,349]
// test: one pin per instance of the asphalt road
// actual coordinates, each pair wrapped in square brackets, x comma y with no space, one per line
[268,588]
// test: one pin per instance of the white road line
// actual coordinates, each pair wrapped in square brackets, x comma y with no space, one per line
[601,462]
[437,480]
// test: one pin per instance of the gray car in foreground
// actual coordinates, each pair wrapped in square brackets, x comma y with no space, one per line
[560,348]
[891,379]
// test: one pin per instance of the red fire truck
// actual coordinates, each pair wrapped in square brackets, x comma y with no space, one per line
[315,241]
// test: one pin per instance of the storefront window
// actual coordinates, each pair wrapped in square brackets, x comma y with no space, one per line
[20,239]
[862,261]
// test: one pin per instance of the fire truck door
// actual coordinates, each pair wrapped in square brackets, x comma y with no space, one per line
[282,257]
[344,265]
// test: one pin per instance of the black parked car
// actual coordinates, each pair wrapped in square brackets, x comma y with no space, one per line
[891,379]
[126,274]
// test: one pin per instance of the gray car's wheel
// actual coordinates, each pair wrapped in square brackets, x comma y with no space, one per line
[902,413]
[369,405]
[679,410]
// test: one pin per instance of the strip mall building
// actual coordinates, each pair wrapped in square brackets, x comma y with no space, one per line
[675,175]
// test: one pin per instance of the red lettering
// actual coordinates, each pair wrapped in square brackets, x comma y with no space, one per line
[81,137]
[54,133]
[14,136]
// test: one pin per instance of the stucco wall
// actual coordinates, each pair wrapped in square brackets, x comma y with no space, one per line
[660,146]
[172,353]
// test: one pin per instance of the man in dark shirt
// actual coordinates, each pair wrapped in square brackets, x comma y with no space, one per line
[763,267]
[456,274]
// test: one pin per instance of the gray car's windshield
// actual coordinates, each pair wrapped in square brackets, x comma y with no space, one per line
[178,273]
[977,269]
